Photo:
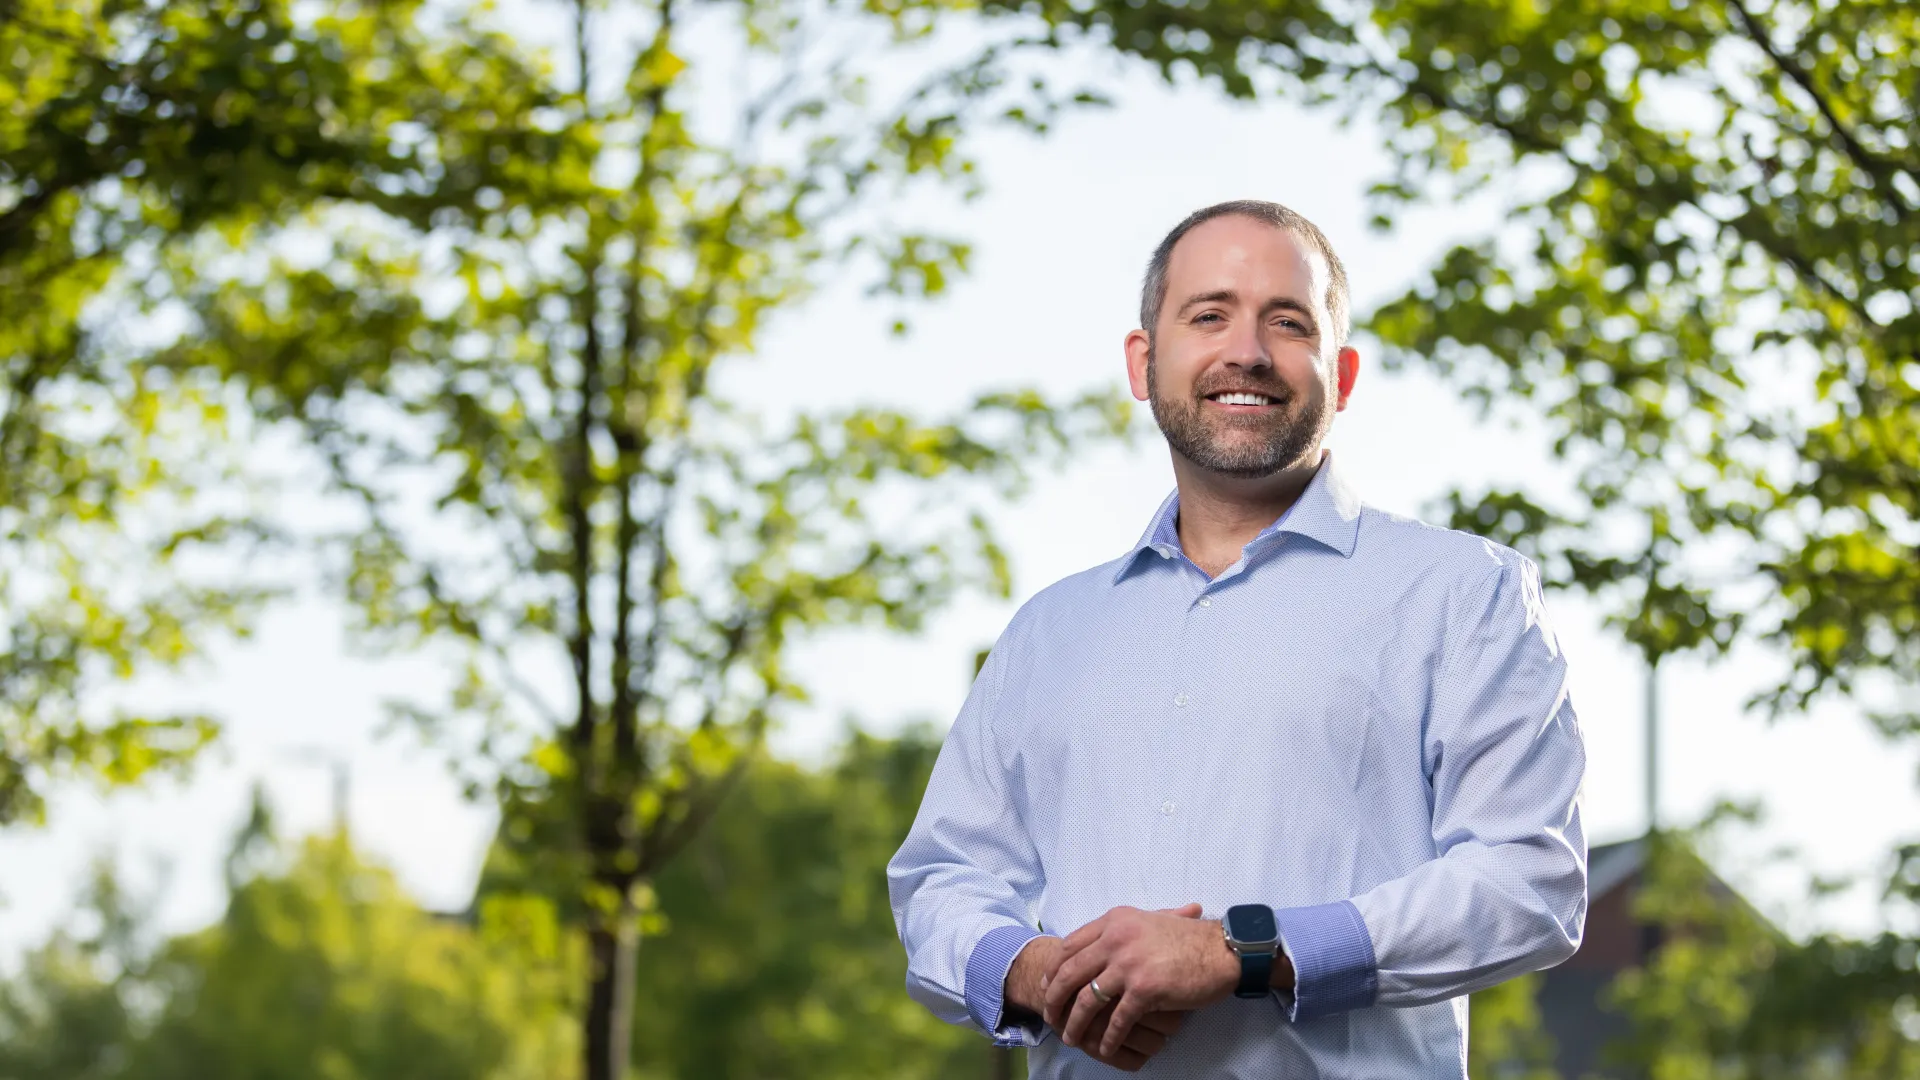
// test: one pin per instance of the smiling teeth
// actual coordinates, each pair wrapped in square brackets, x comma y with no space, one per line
[1242,399]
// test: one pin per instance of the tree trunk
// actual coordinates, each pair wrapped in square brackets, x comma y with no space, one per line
[614,944]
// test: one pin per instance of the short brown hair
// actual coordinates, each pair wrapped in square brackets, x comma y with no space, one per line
[1153,291]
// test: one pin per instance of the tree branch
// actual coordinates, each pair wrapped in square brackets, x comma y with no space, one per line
[1873,164]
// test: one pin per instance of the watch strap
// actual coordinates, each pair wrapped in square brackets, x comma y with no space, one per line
[1256,974]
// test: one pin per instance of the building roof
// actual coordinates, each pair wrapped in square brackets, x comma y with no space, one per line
[1609,865]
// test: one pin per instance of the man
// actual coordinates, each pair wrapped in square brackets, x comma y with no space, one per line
[1267,796]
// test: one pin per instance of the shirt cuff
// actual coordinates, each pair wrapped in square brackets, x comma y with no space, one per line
[986,984]
[1333,963]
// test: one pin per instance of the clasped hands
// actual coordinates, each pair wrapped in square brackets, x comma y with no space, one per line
[1152,968]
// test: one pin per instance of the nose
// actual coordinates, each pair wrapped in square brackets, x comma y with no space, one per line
[1245,348]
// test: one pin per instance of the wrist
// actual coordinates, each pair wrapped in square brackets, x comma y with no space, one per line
[1225,971]
[1282,971]
[1022,991]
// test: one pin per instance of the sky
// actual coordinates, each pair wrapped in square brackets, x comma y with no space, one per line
[1060,240]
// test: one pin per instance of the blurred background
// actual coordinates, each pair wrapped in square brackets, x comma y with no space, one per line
[499,502]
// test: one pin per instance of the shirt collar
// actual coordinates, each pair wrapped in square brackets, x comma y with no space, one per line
[1327,512]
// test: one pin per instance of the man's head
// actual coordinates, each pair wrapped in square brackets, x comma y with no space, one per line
[1242,347]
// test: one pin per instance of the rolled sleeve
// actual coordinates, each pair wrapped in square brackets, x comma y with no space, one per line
[986,983]
[1332,955]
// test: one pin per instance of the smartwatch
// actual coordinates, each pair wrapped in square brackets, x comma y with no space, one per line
[1254,936]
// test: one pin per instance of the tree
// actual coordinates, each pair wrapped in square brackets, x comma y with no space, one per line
[1727,190]
[776,926]
[321,967]
[496,317]
[774,922]
[329,970]
[116,140]
[1506,1040]
[64,1016]
[1707,288]
[1729,995]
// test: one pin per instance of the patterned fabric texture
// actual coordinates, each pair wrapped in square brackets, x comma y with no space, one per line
[1363,722]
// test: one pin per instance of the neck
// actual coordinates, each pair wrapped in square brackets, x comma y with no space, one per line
[1219,514]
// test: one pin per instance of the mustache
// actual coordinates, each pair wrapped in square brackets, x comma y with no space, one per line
[1279,392]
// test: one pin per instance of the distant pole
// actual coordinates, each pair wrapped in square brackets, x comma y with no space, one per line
[342,782]
[1653,679]
[341,767]
[1653,745]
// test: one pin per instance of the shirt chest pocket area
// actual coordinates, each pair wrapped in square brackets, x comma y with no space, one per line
[1318,730]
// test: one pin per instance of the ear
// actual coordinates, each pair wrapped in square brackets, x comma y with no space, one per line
[1138,347]
[1348,363]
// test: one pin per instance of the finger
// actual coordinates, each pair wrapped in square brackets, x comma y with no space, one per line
[1120,1024]
[1068,980]
[1085,1007]
[1096,1030]
[1084,936]
[1185,911]
[1128,1060]
[1145,1040]
[1166,1023]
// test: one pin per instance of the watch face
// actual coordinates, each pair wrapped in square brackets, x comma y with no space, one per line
[1251,923]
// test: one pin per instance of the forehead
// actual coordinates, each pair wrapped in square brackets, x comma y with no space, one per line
[1240,253]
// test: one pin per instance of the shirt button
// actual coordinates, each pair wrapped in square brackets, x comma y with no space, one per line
[1180,700]
[1206,602]
[1167,807]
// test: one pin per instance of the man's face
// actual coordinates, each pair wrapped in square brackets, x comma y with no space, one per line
[1238,373]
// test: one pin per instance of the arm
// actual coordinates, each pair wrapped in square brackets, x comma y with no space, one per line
[963,881]
[1508,891]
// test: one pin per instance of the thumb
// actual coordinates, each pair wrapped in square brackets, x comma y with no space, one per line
[1185,911]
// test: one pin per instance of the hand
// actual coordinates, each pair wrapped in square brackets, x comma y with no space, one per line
[1148,1037]
[1025,990]
[1146,962]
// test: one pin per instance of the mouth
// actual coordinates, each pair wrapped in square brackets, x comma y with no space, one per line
[1242,400]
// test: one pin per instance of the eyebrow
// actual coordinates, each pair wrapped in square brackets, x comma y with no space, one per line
[1228,296]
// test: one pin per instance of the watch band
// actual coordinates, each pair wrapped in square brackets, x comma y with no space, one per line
[1256,975]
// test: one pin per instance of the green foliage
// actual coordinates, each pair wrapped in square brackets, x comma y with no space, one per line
[1505,1038]
[771,938]
[64,1016]
[778,930]
[1727,995]
[323,969]
[104,463]
[490,288]
[775,926]
[1708,284]
[380,987]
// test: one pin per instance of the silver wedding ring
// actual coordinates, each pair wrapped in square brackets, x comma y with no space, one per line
[1099,995]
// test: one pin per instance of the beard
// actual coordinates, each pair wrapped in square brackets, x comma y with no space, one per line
[1245,446]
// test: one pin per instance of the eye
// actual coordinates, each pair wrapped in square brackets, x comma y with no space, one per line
[1207,316]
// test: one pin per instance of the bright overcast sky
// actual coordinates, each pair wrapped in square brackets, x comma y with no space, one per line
[1060,242]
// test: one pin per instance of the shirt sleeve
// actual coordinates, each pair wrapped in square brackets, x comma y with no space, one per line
[1507,892]
[964,882]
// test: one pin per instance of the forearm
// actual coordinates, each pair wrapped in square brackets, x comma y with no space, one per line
[1024,992]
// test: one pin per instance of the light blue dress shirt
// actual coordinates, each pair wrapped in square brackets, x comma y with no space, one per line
[1363,722]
